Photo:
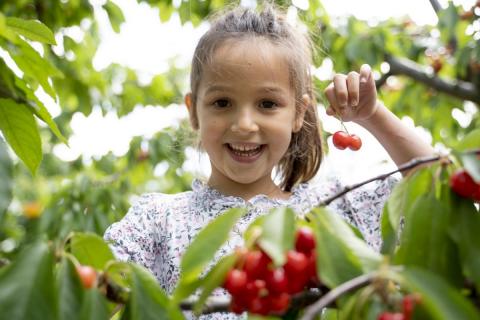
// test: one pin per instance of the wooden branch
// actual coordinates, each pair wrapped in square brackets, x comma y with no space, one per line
[436,6]
[457,88]
[337,292]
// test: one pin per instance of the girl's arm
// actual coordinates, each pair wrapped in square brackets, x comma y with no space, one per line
[353,97]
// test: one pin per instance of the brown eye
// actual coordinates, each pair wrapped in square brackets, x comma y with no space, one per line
[221,103]
[267,104]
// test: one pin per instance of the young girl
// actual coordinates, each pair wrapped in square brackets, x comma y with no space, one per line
[253,105]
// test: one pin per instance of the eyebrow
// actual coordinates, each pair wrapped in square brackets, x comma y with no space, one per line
[219,87]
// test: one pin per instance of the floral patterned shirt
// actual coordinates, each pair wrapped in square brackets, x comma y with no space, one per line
[158,228]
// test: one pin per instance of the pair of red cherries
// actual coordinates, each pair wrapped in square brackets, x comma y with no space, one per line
[343,140]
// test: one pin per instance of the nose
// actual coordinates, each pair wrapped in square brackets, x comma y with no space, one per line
[244,121]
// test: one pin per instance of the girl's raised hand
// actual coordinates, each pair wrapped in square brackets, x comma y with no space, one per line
[352,97]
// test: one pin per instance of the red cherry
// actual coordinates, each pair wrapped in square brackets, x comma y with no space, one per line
[87,275]
[237,306]
[279,303]
[312,269]
[255,288]
[341,140]
[408,304]
[476,194]
[462,183]
[259,305]
[297,271]
[305,240]
[256,264]
[235,282]
[277,281]
[355,142]
[390,316]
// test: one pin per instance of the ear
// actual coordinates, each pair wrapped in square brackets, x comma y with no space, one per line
[192,112]
[305,102]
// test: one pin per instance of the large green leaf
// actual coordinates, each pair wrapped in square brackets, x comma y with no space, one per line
[20,130]
[341,255]
[31,29]
[425,241]
[464,228]
[40,109]
[94,306]
[6,176]
[470,141]
[70,291]
[202,250]
[214,279]
[90,249]
[147,300]
[442,301]
[278,232]
[27,286]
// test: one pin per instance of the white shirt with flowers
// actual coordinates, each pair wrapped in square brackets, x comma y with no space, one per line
[158,228]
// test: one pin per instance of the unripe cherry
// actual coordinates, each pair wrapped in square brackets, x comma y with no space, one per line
[87,275]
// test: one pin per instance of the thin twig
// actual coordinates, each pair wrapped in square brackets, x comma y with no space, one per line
[337,292]
[405,167]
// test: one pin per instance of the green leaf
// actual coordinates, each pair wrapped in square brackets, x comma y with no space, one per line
[40,109]
[6,176]
[115,15]
[405,192]
[341,255]
[464,228]
[202,250]
[31,29]
[35,67]
[389,236]
[20,130]
[147,300]
[94,306]
[90,249]
[425,242]
[7,32]
[470,141]
[471,162]
[278,232]
[214,279]
[70,291]
[441,300]
[27,289]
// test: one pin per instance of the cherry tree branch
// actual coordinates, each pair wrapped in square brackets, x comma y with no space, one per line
[405,167]
[436,6]
[457,88]
[337,292]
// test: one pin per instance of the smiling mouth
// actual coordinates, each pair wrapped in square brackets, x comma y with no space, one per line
[245,152]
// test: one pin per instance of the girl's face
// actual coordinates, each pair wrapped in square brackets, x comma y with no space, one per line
[246,113]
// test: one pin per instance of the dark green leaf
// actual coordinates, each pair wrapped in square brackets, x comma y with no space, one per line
[20,130]
[202,250]
[441,300]
[90,249]
[214,279]
[6,176]
[94,306]
[27,286]
[147,300]
[70,291]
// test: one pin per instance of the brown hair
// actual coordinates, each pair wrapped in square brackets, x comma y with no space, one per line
[304,155]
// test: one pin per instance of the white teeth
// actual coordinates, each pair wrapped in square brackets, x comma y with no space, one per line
[243,148]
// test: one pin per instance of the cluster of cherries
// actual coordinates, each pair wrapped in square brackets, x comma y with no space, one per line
[343,140]
[463,184]
[260,288]
[408,305]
